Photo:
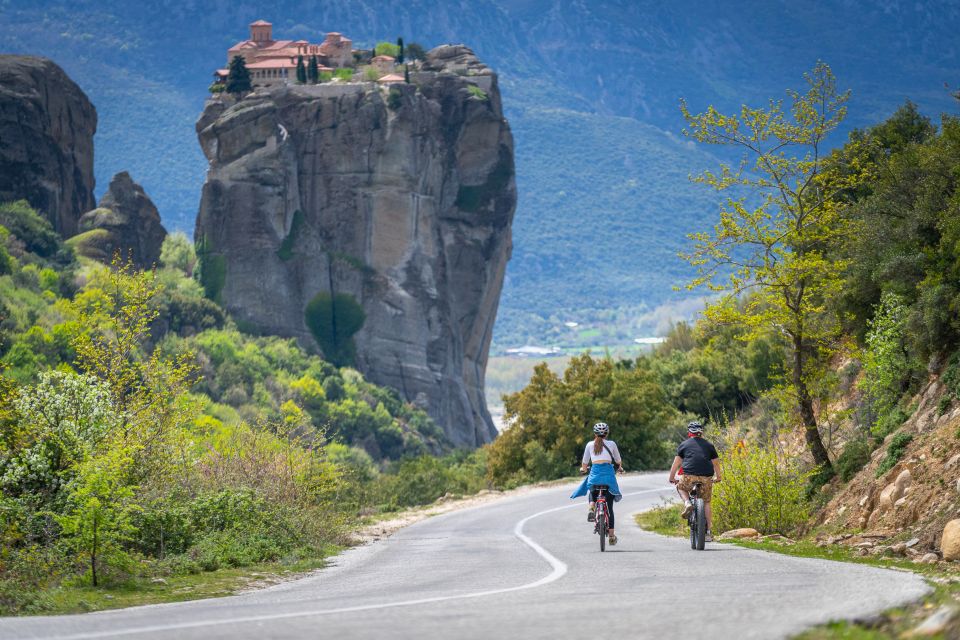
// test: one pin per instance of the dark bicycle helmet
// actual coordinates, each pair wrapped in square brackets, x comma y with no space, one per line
[695,427]
[601,429]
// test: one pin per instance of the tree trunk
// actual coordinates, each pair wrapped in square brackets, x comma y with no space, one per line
[805,404]
[93,555]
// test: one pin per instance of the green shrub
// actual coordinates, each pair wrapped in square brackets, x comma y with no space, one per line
[332,320]
[477,92]
[343,74]
[285,252]
[889,422]
[386,49]
[895,451]
[855,456]
[394,99]
[213,275]
[34,231]
[760,489]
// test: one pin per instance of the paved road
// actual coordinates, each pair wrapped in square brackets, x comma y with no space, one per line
[524,567]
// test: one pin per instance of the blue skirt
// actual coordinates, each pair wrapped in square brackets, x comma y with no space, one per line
[599,474]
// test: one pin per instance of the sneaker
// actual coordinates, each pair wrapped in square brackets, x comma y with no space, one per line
[612,539]
[591,515]
[687,508]
[709,537]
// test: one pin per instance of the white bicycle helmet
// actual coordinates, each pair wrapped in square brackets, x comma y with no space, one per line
[601,429]
[695,427]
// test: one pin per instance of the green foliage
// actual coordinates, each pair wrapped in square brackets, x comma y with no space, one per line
[854,457]
[399,50]
[212,274]
[216,88]
[885,362]
[422,480]
[414,51]
[386,49]
[760,489]
[313,71]
[301,71]
[890,421]
[394,99]
[27,226]
[556,414]
[370,74]
[895,450]
[238,78]
[332,320]
[774,245]
[344,73]
[177,252]
[285,252]
[477,92]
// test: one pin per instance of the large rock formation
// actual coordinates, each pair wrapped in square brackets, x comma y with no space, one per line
[46,140]
[386,208]
[125,222]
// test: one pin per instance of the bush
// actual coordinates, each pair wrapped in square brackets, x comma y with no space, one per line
[344,73]
[477,92]
[855,456]
[889,422]
[387,49]
[394,99]
[898,446]
[332,321]
[760,489]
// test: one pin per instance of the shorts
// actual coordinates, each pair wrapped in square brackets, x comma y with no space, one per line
[706,490]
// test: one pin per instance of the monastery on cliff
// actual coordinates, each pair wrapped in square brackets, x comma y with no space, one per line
[275,61]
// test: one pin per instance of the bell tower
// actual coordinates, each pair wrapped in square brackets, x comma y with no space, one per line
[261,31]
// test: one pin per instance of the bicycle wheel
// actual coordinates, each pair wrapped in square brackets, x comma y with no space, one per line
[602,528]
[701,517]
[692,522]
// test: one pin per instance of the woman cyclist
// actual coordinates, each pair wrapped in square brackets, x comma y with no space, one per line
[603,458]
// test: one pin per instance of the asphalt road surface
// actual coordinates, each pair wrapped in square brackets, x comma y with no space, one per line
[524,567]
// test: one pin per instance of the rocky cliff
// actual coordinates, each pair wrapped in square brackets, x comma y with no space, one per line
[370,221]
[46,140]
[125,222]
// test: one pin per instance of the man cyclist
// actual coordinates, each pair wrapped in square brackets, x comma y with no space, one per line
[699,462]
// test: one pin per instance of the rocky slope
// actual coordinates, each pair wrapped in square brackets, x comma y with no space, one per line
[372,222]
[125,221]
[46,128]
[906,509]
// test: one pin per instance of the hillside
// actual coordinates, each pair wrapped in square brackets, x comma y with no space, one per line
[614,68]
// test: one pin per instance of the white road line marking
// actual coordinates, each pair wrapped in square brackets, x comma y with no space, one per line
[559,569]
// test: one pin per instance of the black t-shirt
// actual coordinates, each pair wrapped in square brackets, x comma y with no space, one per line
[697,454]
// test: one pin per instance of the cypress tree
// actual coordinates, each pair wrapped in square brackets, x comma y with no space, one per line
[406,73]
[400,50]
[238,79]
[313,71]
[301,71]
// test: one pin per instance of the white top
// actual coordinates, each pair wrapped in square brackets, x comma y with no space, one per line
[603,456]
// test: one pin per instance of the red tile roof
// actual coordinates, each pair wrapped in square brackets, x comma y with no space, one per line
[261,23]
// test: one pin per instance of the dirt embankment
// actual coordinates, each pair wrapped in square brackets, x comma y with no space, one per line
[904,510]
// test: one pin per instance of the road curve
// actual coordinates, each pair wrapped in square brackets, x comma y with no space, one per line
[525,567]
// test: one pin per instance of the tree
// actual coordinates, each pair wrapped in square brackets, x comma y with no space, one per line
[399,50]
[238,79]
[301,71]
[406,73]
[313,70]
[414,51]
[769,248]
[386,49]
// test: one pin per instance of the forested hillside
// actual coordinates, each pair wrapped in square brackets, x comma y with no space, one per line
[591,89]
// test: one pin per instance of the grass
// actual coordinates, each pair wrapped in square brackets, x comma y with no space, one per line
[889,625]
[200,586]
[664,520]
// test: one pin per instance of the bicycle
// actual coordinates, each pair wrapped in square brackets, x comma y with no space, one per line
[602,515]
[697,519]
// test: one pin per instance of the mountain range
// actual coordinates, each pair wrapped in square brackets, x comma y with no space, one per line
[591,89]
